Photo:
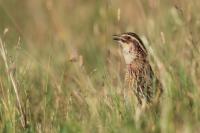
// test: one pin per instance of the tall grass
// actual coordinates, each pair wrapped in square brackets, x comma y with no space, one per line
[67,74]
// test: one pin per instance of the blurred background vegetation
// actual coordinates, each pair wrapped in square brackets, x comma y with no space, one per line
[69,73]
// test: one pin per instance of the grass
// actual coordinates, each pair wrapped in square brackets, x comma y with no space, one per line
[67,75]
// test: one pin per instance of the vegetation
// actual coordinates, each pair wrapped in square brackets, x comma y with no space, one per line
[60,71]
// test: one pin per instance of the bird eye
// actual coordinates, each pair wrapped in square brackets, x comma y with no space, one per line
[128,38]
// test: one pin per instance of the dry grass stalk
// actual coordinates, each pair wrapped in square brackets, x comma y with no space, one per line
[12,79]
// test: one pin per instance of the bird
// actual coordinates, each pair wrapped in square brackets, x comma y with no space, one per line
[139,75]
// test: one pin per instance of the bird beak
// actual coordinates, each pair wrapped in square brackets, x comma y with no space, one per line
[117,38]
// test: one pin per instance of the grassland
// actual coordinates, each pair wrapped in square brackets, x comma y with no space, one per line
[68,74]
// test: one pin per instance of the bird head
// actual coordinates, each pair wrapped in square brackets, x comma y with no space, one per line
[131,45]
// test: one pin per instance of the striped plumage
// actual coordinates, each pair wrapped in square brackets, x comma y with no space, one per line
[139,76]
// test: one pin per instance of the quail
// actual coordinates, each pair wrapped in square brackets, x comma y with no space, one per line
[139,75]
